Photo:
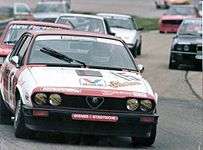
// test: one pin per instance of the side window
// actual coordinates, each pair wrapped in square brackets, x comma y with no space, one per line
[23,49]
[16,46]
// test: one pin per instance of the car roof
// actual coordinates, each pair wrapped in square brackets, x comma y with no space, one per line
[51,1]
[81,15]
[71,33]
[114,15]
[181,6]
[47,24]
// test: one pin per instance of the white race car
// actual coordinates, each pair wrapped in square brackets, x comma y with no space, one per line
[76,82]
[125,27]
[83,22]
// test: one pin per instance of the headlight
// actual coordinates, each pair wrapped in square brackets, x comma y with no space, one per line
[40,98]
[146,105]
[55,99]
[132,104]
[179,48]
[186,48]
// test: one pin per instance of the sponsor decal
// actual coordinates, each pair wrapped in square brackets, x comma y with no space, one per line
[90,117]
[116,84]
[92,82]
[125,76]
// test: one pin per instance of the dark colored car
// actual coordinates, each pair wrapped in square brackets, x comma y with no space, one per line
[161,4]
[187,44]
[171,20]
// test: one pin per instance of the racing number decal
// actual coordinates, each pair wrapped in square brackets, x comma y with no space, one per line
[11,86]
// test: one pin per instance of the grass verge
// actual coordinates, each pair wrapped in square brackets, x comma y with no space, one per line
[4,17]
[147,23]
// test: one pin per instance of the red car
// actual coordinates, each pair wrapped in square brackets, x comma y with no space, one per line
[16,28]
[170,21]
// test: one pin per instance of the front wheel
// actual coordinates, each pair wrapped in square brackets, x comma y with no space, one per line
[5,114]
[172,65]
[21,130]
[139,49]
[146,141]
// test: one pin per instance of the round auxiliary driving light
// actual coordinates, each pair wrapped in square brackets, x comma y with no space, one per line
[132,104]
[55,99]
[179,47]
[40,98]
[186,48]
[145,105]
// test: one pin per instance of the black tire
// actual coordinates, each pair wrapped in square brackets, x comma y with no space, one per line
[161,32]
[139,49]
[172,65]
[134,52]
[20,130]
[146,141]
[5,114]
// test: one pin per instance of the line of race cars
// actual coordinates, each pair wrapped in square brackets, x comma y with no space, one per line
[186,21]
[75,76]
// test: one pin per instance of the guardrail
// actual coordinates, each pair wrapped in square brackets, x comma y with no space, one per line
[3,23]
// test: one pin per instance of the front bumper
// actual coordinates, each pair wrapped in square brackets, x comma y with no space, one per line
[60,120]
[187,58]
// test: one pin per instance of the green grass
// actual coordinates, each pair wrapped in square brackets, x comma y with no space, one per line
[147,23]
[3,17]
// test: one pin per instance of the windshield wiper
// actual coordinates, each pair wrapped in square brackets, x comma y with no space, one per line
[111,68]
[60,56]
[119,27]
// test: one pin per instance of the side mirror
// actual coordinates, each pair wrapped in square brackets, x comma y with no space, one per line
[111,33]
[140,68]
[15,60]
[140,29]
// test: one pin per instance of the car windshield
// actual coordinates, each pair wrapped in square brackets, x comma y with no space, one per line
[191,27]
[181,10]
[83,23]
[16,30]
[116,22]
[92,51]
[50,7]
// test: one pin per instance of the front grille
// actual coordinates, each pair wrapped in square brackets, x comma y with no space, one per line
[80,102]
[172,22]
[192,47]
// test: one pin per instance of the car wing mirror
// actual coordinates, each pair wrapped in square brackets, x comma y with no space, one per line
[140,29]
[140,68]
[15,60]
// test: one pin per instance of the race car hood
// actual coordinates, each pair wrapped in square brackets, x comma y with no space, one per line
[5,49]
[41,16]
[129,36]
[189,40]
[58,77]
[174,17]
